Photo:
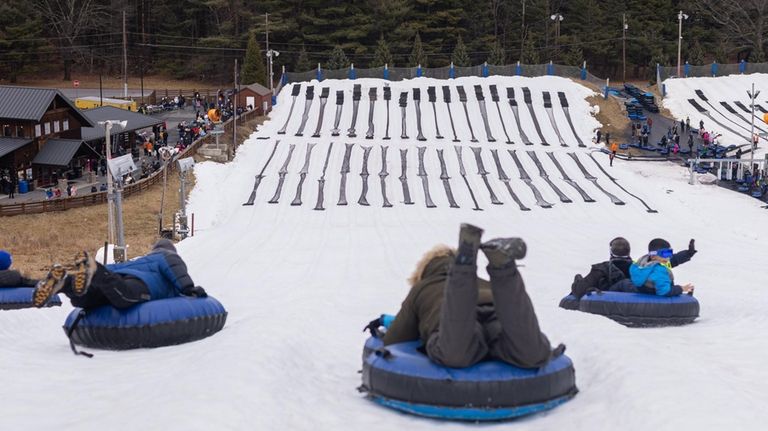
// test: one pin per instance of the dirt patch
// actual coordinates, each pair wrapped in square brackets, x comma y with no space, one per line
[613,117]
[36,241]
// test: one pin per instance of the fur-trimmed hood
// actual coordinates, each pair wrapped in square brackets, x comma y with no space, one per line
[433,262]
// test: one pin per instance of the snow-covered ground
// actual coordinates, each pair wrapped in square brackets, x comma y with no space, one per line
[300,284]
[728,89]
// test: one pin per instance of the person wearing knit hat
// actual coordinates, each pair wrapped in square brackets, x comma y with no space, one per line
[652,273]
[612,274]
[10,277]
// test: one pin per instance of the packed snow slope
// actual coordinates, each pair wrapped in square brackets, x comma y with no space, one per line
[727,105]
[300,284]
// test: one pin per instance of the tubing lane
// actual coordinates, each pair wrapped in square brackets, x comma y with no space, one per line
[551,115]
[323,100]
[339,105]
[303,175]
[344,171]
[463,100]
[484,173]
[483,112]
[387,98]
[259,177]
[356,95]
[495,99]
[404,177]
[529,102]
[543,174]
[424,179]
[281,176]
[505,179]
[432,95]
[590,177]
[372,103]
[516,113]
[649,209]
[295,91]
[564,105]
[321,181]
[568,180]
[364,176]
[307,105]
[463,173]
[447,100]
[383,177]
[446,180]
[527,180]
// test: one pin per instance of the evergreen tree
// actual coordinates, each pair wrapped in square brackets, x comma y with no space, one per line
[498,57]
[721,53]
[382,55]
[20,31]
[338,59]
[696,54]
[530,54]
[302,63]
[254,69]
[460,56]
[418,56]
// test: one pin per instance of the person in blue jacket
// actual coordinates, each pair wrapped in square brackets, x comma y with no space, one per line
[160,274]
[652,273]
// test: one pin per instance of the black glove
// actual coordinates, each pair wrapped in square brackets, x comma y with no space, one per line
[196,291]
[373,327]
[692,247]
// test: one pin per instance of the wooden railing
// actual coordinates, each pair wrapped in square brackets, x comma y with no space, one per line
[62,204]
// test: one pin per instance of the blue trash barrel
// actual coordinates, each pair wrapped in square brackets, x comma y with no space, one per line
[23,187]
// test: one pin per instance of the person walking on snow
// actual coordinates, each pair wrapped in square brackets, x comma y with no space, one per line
[462,319]
[614,148]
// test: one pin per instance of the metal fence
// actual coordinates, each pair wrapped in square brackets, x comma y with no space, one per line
[98,198]
[447,72]
[707,70]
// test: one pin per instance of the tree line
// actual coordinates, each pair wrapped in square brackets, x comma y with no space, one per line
[200,38]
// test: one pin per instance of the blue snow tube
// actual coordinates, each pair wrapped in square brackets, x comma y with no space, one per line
[14,298]
[399,376]
[161,322]
[638,310]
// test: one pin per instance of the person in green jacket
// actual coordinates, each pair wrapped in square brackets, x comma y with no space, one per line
[462,319]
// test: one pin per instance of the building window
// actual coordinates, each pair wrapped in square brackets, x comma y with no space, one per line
[56,127]
[48,128]
[37,131]
[65,125]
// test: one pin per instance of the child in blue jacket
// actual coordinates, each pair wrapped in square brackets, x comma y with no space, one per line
[652,273]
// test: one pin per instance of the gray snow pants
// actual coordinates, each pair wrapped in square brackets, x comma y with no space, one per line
[507,330]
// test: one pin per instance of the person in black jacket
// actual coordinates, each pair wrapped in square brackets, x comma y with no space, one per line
[613,274]
[10,277]
[157,275]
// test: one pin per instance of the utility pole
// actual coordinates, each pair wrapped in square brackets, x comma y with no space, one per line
[557,18]
[234,104]
[522,30]
[269,73]
[125,60]
[752,96]
[624,45]
[680,17]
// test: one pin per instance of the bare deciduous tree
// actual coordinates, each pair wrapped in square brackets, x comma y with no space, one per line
[744,22]
[69,19]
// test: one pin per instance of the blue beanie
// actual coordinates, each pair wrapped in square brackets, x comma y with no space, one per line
[5,260]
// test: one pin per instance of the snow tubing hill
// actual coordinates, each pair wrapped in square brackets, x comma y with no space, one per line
[14,298]
[162,322]
[638,310]
[401,377]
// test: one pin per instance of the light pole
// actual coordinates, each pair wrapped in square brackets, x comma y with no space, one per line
[557,18]
[116,235]
[270,54]
[625,27]
[680,17]
[752,96]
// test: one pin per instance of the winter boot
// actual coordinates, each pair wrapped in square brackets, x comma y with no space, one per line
[85,267]
[469,242]
[49,286]
[502,252]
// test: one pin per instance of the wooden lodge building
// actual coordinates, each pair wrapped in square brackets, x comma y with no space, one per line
[43,136]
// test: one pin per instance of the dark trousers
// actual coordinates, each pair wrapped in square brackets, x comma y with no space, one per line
[109,288]
[507,330]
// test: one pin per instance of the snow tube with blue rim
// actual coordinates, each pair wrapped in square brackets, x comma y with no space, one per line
[161,322]
[14,298]
[399,376]
[638,310]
